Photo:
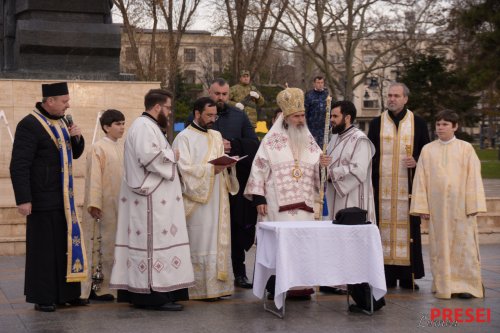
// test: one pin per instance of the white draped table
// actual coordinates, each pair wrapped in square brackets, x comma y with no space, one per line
[312,253]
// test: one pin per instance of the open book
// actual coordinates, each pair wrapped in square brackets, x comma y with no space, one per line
[226,160]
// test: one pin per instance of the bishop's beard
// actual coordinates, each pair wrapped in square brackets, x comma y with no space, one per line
[299,137]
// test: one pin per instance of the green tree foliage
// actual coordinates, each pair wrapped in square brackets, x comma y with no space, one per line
[434,88]
[185,95]
[481,22]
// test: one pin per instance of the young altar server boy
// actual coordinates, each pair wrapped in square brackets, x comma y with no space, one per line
[102,187]
[448,193]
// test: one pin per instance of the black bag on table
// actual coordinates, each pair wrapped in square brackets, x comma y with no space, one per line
[351,216]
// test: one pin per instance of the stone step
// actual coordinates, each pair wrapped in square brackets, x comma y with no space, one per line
[13,230]
[12,246]
[13,227]
[487,223]
[493,204]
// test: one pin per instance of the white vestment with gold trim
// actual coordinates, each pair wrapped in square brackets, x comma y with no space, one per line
[103,179]
[396,143]
[206,199]
[449,188]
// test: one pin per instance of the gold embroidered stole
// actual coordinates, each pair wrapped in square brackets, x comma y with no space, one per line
[76,269]
[224,231]
[394,221]
[192,200]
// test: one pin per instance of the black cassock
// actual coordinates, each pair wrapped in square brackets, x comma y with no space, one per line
[233,124]
[421,138]
[36,177]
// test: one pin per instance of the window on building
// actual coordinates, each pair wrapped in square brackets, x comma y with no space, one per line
[371,104]
[372,82]
[190,76]
[189,55]
[217,55]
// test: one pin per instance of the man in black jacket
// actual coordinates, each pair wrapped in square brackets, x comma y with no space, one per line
[41,174]
[239,139]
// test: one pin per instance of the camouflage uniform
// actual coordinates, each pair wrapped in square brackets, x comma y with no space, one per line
[239,93]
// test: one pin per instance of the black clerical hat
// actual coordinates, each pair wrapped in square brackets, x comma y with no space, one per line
[55,89]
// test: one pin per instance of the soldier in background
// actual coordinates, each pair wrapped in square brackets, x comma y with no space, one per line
[246,97]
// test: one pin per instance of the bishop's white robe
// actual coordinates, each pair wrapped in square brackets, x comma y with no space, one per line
[206,199]
[448,187]
[104,170]
[152,246]
[288,198]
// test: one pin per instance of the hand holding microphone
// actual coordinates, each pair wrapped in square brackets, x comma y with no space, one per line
[74,130]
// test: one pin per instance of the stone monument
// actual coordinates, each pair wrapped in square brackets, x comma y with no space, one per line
[58,39]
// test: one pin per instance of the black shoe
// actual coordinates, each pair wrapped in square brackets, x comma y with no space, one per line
[104,298]
[465,296]
[45,307]
[211,299]
[406,284]
[78,302]
[242,282]
[355,308]
[170,306]
[332,290]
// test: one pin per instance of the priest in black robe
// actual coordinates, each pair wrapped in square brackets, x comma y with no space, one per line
[394,125]
[36,174]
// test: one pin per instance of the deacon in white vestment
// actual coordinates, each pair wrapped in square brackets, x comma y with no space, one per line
[448,193]
[284,181]
[206,189]
[152,257]
[349,161]
[102,186]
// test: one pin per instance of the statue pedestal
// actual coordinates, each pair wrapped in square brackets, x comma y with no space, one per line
[60,39]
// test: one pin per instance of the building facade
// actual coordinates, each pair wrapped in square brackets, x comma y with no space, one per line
[201,56]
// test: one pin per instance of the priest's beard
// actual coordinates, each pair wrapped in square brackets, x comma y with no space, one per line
[340,127]
[162,121]
[299,138]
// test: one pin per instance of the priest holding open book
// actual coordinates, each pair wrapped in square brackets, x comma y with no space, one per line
[206,187]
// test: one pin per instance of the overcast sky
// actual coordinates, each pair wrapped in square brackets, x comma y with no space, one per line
[202,21]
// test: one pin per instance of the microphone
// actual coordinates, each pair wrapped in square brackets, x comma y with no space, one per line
[69,120]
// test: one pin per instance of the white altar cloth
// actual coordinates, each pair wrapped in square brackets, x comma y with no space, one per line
[312,253]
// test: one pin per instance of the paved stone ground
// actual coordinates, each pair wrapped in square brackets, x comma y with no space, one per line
[243,312]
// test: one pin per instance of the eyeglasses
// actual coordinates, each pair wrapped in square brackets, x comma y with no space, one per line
[213,116]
